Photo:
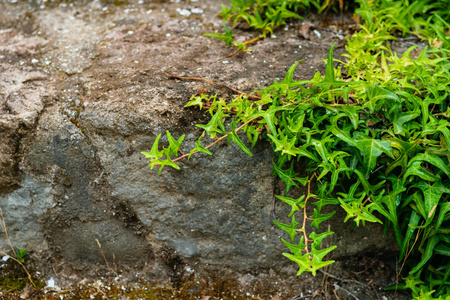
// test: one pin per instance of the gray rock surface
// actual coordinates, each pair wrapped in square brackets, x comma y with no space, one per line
[83,90]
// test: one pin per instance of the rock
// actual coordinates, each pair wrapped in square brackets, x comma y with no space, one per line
[74,120]
[22,210]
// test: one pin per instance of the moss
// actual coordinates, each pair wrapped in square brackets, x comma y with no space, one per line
[221,286]
[13,277]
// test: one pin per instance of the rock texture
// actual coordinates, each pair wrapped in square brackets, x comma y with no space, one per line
[84,89]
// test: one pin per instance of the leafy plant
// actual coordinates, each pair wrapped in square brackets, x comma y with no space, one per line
[20,255]
[262,15]
[375,138]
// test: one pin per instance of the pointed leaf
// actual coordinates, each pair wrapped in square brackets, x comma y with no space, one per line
[287,176]
[294,203]
[236,139]
[174,146]
[291,229]
[431,243]
[154,153]
[319,218]
[372,149]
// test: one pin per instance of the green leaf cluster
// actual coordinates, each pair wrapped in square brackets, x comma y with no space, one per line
[374,136]
[262,15]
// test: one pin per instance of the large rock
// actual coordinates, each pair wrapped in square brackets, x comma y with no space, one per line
[78,105]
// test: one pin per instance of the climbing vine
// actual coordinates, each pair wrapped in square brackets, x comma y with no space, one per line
[374,136]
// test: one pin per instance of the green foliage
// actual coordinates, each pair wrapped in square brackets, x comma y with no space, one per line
[20,255]
[262,15]
[375,141]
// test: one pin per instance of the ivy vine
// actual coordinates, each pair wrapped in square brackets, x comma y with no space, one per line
[374,136]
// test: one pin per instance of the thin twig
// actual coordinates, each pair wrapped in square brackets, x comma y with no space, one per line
[6,233]
[215,142]
[419,232]
[343,280]
[244,43]
[334,291]
[304,214]
[350,293]
[104,257]
[298,297]
[12,248]
[215,83]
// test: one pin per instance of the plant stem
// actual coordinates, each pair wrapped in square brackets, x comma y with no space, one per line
[215,83]
[215,142]
[244,43]
[305,236]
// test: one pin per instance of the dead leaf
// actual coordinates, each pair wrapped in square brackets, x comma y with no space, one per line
[276,297]
[26,292]
[437,43]
[356,18]
[304,30]
[205,297]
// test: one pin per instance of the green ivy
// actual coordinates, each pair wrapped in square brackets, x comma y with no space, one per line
[375,138]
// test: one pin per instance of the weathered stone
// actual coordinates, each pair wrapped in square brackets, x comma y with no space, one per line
[22,211]
[83,93]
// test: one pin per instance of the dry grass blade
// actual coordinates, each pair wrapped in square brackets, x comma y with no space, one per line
[12,248]
[104,257]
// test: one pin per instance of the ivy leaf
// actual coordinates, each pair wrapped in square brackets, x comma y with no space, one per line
[415,168]
[227,36]
[174,146]
[376,96]
[401,161]
[402,119]
[342,134]
[199,148]
[390,200]
[367,186]
[196,100]
[269,117]
[418,206]
[318,238]
[319,218]
[164,162]
[215,125]
[291,229]
[294,203]
[288,176]
[154,153]
[442,250]
[359,212]
[432,195]
[329,81]
[413,222]
[311,262]
[372,149]
[352,112]
[407,150]
[236,139]
[285,145]
[432,159]
[431,243]
[350,196]
[287,82]
[324,201]
[443,127]
[444,208]
[296,249]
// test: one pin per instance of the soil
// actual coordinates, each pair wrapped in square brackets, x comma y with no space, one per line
[113,58]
